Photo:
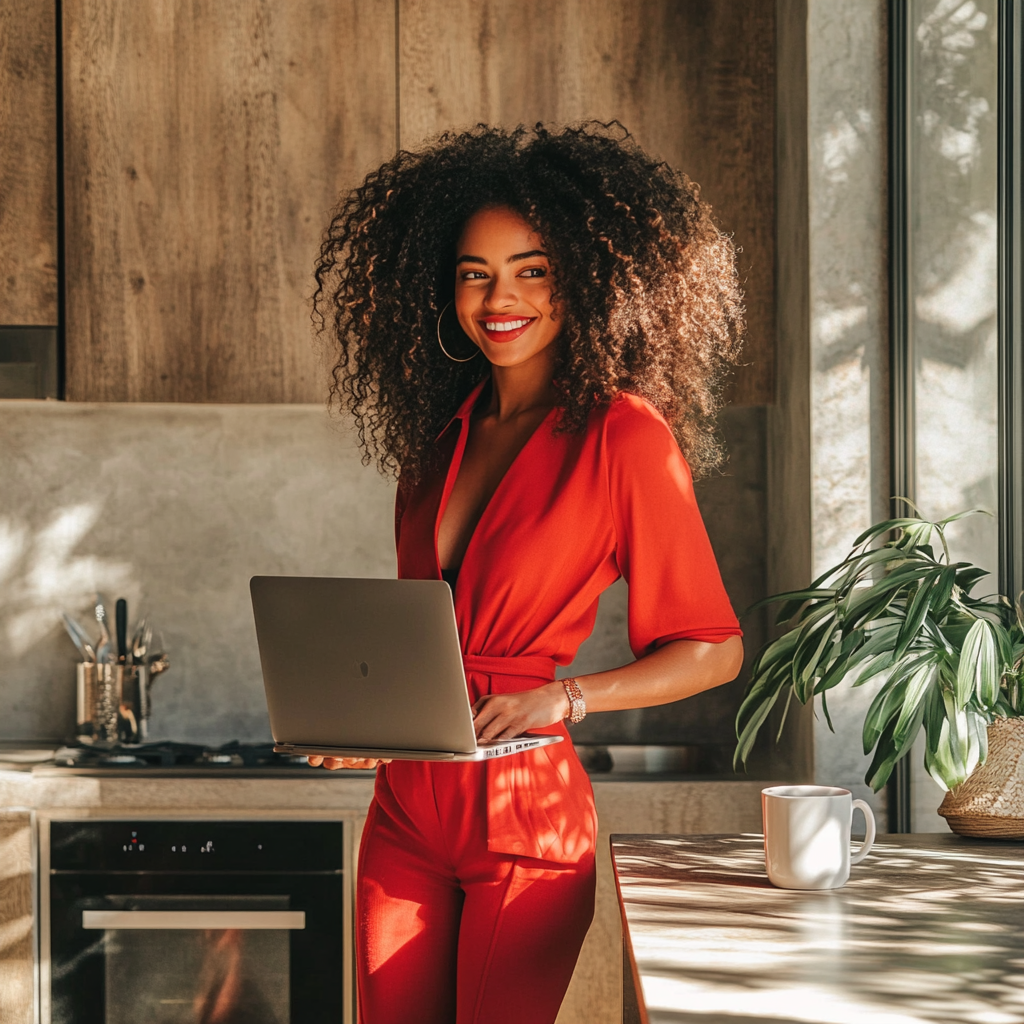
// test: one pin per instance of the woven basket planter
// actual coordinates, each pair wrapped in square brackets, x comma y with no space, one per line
[990,804]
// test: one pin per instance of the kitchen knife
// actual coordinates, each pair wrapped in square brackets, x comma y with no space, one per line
[121,620]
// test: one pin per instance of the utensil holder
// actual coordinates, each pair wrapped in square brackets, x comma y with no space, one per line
[107,703]
[112,703]
[85,692]
[131,724]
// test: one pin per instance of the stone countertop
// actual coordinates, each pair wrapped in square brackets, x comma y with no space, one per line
[152,792]
[31,787]
[929,928]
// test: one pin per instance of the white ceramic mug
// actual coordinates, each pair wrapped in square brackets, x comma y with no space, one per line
[807,835]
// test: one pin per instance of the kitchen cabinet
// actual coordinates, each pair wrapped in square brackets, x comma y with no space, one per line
[204,145]
[206,142]
[698,806]
[694,82]
[28,163]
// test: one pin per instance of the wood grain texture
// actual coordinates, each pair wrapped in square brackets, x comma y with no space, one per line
[16,960]
[693,81]
[28,162]
[205,143]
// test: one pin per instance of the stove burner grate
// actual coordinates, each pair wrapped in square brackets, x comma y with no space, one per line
[169,754]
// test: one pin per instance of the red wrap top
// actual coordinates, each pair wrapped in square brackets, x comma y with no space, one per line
[572,514]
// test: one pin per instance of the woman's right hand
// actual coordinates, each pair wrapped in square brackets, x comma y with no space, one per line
[331,763]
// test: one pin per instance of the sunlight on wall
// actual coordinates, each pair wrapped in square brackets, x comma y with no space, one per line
[849,466]
[954,248]
[41,575]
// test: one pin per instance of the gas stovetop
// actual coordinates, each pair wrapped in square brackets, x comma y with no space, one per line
[179,759]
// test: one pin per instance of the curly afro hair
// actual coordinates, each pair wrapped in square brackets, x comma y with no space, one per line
[645,284]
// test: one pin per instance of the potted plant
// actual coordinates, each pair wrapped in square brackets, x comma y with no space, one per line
[904,618]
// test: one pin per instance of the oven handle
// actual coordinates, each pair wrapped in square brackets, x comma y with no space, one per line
[193,919]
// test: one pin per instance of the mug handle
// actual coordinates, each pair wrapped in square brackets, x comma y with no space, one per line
[869,835]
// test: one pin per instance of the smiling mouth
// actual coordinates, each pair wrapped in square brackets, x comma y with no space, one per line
[506,329]
[501,326]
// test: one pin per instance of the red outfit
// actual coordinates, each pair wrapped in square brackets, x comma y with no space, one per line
[476,880]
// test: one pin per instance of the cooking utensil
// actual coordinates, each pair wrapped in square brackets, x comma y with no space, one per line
[141,639]
[148,668]
[158,663]
[79,638]
[121,619]
[103,652]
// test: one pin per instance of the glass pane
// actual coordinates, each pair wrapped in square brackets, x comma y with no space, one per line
[208,976]
[953,253]
[953,126]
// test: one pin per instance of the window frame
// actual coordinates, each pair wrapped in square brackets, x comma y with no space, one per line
[1010,305]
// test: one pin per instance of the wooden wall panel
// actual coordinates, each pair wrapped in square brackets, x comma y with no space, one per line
[28,162]
[205,143]
[693,80]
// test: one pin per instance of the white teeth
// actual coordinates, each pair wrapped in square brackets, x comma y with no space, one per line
[509,325]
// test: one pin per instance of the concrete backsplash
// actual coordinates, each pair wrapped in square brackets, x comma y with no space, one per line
[174,507]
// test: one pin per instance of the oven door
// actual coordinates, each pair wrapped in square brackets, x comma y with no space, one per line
[195,947]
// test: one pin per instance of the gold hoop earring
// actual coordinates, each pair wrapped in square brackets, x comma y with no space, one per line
[441,343]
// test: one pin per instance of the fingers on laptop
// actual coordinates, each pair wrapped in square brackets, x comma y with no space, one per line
[333,763]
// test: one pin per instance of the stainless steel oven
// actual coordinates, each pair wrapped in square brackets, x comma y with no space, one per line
[194,922]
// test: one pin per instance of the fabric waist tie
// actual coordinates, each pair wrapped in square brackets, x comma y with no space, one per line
[534,666]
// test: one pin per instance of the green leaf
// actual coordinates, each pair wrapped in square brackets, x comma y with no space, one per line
[938,760]
[873,532]
[970,657]
[840,667]
[979,671]
[977,729]
[774,653]
[944,588]
[761,689]
[961,515]
[915,616]
[784,716]
[967,578]
[934,718]
[756,714]
[889,749]
[957,739]
[885,756]
[824,708]
[883,709]
[806,662]
[794,599]
[912,710]
[989,669]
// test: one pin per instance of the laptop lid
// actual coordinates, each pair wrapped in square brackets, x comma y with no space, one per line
[362,663]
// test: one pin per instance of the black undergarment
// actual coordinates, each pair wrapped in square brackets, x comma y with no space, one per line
[451,577]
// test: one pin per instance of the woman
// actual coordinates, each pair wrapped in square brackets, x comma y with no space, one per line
[524,317]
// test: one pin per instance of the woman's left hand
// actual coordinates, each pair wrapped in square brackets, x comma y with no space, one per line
[502,716]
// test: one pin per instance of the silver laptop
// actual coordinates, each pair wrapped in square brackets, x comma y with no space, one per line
[367,668]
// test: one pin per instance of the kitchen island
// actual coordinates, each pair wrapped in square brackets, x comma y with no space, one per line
[929,928]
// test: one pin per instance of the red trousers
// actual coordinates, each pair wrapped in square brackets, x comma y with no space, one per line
[448,932]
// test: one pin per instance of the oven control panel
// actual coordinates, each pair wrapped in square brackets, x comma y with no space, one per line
[176,846]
